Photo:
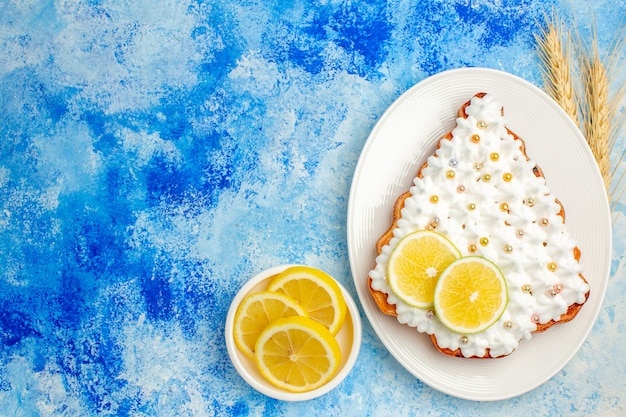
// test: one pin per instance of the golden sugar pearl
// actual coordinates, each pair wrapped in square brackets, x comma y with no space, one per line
[484,241]
[552,267]
[486,177]
[507,176]
[434,199]
[464,340]
[429,226]
[507,324]
[460,189]
[508,249]
[472,248]
[544,221]
[494,156]
[526,288]
[530,201]
[475,138]
[478,166]
[430,314]
[471,206]
[504,207]
[450,174]
[481,124]
[519,233]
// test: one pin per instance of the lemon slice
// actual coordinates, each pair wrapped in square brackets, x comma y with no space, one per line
[297,354]
[471,295]
[415,265]
[316,291]
[256,311]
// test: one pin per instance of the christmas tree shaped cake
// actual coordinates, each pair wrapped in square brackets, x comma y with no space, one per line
[478,255]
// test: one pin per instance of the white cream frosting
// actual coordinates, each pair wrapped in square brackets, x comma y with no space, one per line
[491,171]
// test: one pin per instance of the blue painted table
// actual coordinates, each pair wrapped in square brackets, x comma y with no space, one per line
[155,155]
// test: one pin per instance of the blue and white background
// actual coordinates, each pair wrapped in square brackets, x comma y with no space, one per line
[155,155]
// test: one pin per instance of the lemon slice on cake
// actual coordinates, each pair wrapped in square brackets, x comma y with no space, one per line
[471,295]
[416,263]
[316,291]
[297,354]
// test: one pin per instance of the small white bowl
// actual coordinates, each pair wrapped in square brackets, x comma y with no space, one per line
[349,338]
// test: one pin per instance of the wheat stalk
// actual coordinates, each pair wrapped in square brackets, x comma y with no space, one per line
[555,57]
[597,115]
[602,122]
[618,173]
[618,118]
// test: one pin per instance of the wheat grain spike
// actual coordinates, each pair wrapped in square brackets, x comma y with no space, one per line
[554,48]
[597,120]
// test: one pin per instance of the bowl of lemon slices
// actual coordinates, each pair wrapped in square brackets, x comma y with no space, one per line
[293,332]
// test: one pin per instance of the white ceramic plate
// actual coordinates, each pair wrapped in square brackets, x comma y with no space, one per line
[400,142]
[349,338]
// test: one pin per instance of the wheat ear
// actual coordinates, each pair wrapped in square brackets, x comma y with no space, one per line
[603,123]
[554,53]
[597,115]
[618,119]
